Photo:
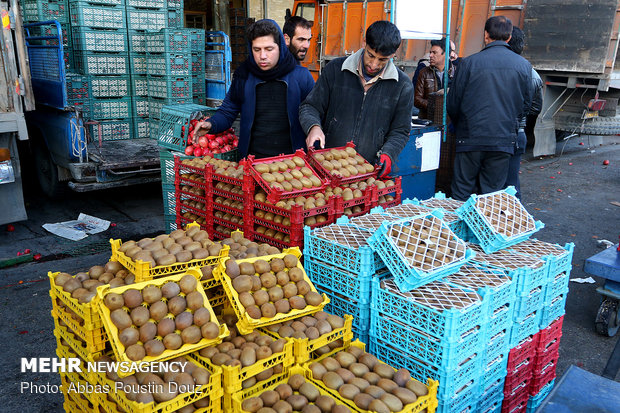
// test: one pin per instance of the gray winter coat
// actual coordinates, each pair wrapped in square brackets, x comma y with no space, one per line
[377,121]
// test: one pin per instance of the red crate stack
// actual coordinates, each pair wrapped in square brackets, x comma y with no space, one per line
[546,356]
[388,195]
[519,375]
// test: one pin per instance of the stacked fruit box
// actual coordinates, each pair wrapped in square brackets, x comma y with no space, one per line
[174,10]
[197,41]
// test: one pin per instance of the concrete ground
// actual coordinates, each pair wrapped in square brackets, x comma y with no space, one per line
[570,192]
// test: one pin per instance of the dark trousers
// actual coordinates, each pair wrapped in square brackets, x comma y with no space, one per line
[515,163]
[486,169]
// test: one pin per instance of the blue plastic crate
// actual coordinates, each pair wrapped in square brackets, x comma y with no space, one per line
[408,272]
[557,285]
[453,383]
[559,258]
[110,86]
[524,327]
[170,203]
[137,64]
[361,336]
[38,10]
[447,324]
[112,130]
[139,85]
[494,369]
[198,85]
[142,127]
[136,40]
[340,306]
[174,40]
[154,128]
[497,344]
[526,303]
[355,287]
[464,401]
[166,159]
[118,108]
[369,222]
[491,402]
[535,401]
[145,19]
[174,17]
[200,99]
[197,40]
[198,64]
[78,88]
[175,118]
[97,16]
[170,87]
[526,272]
[140,106]
[154,4]
[507,209]
[491,383]
[356,259]
[500,320]
[94,63]
[448,207]
[94,40]
[553,308]
[170,223]
[439,353]
[169,64]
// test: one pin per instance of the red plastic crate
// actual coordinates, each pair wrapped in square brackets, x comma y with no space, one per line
[525,350]
[181,222]
[275,195]
[332,179]
[228,209]
[545,357]
[516,402]
[516,378]
[397,188]
[396,201]
[276,243]
[546,335]
[541,380]
[366,205]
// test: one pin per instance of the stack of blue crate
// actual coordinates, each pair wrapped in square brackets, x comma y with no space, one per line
[199,92]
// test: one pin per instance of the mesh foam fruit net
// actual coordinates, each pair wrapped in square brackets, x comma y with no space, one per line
[504,259]
[474,277]
[370,221]
[407,210]
[435,295]
[348,236]
[538,248]
[426,243]
[505,214]
[449,205]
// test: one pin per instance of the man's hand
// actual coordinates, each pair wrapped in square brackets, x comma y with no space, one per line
[385,165]
[315,135]
[201,128]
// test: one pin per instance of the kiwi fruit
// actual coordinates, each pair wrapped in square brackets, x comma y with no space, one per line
[173,341]
[154,348]
[128,336]
[148,332]
[303,287]
[242,283]
[314,299]
[297,401]
[379,406]
[418,388]
[260,297]
[165,327]
[210,330]
[191,335]
[384,370]
[158,310]
[332,380]
[113,301]
[295,274]
[297,302]
[246,268]
[406,396]
[140,315]
[363,400]
[183,320]
[176,305]
[194,300]
[401,377]
[135,352]
[282,306]
[387,385]
[254,312]
[290,261]
[120,318]
[268,310]
[170,289]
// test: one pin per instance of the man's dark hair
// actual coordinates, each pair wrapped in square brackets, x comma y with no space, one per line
[441,43]
[262,28]
[293,23]
[517,40]
[383,37]
[498,27]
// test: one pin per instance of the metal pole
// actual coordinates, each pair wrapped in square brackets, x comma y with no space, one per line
[446,68]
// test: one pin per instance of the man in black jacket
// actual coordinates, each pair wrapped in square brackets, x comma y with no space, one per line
[362,98]
[490,93]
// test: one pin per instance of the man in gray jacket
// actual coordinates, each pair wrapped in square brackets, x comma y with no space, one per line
[362,98]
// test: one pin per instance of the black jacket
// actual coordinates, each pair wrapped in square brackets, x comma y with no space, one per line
[378,120]
[491,91]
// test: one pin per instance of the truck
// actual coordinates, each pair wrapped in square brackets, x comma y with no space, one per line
[35,110]
[573,45]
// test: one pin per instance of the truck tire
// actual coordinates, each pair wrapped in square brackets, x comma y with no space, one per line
[594,126]
[47,172]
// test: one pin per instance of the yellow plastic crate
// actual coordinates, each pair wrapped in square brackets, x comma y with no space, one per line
[143,271]
[213,390]
[247,324]
[118,348]
[428,402]
[77,402]
[74,343]
[66,352]
[304,347]
[233,403]
[88,311]
[233,376]
[95,338]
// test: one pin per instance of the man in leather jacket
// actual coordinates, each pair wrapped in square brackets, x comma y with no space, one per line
[431,77]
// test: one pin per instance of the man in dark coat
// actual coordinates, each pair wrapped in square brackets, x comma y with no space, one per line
[363,98]
[267,90]
[431,78]
[490,92]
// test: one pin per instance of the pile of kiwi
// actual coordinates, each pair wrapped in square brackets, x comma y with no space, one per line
[447,204]
[426,243]
[177,247]
[346,235]
[235,219]
[343,162]
[231,203]
[297,395]
[367,382]
[83,286]
[190,378]
[371,222]
[474,277]
[245,350]
[288,175]
[159,318]
[437,295]
[267,288]
[241,247]
[408,210]
[310,327]
[505,214]
[221,167]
